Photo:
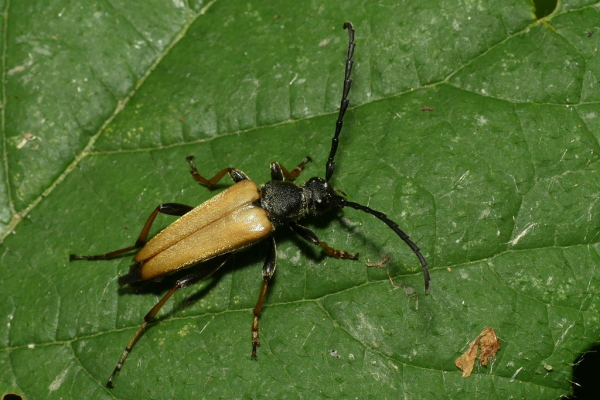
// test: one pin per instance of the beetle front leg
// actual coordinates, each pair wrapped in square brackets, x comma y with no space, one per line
[278,171]
[166,208]
[268,271]
[310,236]
[235,174]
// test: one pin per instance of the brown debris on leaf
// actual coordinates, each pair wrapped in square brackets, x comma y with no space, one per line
[379,264]
[489,347]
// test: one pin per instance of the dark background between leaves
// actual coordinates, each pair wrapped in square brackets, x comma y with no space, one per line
[498,185]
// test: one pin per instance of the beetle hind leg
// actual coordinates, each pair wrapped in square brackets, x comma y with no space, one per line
[166,208]
[268,271]
[180,284]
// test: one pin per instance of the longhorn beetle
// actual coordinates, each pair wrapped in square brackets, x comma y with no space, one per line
[239,217]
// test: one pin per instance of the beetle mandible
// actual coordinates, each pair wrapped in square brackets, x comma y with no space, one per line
[239,217]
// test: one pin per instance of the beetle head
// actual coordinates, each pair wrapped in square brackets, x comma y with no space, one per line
[320,195]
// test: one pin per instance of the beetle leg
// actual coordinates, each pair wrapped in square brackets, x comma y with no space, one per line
[166,208]
[236,174]
[268,271]
[180,284]
[202,180]
[310,236]
[278,171]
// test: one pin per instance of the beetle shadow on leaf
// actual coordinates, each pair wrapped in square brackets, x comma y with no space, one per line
[159,286]
[363,241]
[349,226]
[308,250]
[252,257]
[319,222]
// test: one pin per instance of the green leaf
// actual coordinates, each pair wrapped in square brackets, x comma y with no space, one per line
[497,185]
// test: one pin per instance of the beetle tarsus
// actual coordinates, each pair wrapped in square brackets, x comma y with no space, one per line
[255,345]
[337,253]
[299,168]
[109,383]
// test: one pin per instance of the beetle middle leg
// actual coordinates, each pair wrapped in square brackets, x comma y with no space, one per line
[180,284]
[166,208]
[268,271]
[310,236]
[235,174]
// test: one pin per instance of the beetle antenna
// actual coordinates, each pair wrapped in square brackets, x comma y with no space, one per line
[394,226]
[344,104]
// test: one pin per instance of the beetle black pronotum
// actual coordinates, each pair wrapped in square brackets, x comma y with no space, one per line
[237,218]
